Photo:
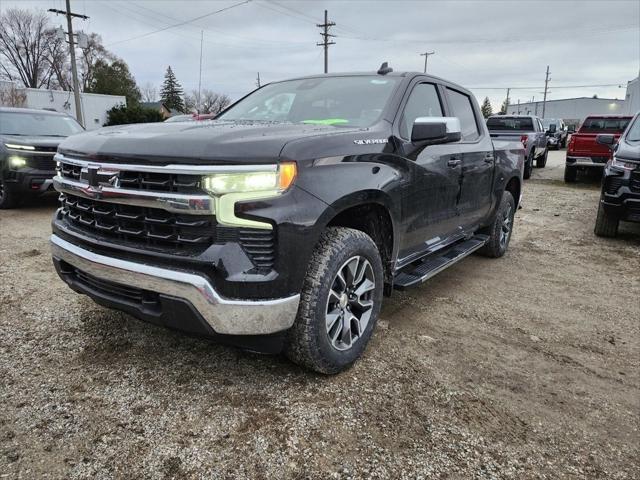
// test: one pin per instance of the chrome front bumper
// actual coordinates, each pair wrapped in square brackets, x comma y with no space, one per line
[225,316]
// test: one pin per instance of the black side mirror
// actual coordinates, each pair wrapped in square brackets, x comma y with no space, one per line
[436,130]
[552,129]
[606,139]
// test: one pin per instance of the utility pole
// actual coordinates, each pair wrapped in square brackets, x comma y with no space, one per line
[426,57]
[200,75]
[506,107]
[546,87]
[325,39]
[258,80]
[72,51]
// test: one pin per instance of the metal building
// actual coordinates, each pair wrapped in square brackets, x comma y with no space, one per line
[572,110]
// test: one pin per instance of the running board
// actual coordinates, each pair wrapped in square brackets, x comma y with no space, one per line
[433,265]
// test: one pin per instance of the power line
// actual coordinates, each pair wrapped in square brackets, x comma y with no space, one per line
[537,87]
[179,24]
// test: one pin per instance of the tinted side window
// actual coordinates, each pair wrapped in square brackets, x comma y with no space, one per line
[423,102]
[462,108]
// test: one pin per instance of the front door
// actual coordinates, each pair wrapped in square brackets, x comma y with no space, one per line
[429,205]
[476,151]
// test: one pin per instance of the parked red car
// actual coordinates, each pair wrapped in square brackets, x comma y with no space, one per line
[583,152]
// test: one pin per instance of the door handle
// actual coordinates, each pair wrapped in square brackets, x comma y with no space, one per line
[453,162]
[488,159]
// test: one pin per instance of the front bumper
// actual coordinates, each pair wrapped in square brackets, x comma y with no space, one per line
[223,316]
[29,180]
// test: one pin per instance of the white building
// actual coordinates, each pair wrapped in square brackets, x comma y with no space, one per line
[572,110]
[94,106]
[632,98]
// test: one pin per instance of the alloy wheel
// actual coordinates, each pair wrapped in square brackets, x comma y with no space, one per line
[505,228]
[350,303]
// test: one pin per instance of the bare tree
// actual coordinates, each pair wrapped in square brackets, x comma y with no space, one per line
[149,92]
[23,47]
[210,102]
[95,51]
[12,97]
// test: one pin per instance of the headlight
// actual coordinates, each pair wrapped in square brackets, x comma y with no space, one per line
[19,147]
[272,182]
[17,162]
[625,165]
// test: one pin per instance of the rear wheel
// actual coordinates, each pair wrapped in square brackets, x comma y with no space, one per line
[541,162]
[605,225]
[570,174]
[339,304]
[7,196]
[528,166]
[500,229]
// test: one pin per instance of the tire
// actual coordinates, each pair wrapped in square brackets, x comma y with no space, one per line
[7,196]
[541,162]
[318,339]
[528,166]
[500,229]
[605,225]
[570,174]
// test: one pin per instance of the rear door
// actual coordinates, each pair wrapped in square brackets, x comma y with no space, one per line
[429,203]
[476,151]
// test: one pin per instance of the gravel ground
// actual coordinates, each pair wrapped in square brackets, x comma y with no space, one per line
[522,367]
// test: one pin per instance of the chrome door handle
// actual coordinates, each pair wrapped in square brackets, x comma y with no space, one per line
[453,162]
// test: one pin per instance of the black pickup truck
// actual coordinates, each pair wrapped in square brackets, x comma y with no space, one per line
[281,224]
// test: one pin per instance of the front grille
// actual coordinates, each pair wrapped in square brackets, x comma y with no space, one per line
[144,298]
[259,245]
[41,162]
[635,182]
[147,226]
[612,184]
[157,182]
[162,230]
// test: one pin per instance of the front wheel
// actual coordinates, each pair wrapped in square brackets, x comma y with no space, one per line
[606,226]
[500,229]
[7,196]
[339,304]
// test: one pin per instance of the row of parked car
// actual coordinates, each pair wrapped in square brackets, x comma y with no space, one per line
[607,143]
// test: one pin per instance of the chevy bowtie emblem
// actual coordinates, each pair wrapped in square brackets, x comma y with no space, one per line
[95,177]
[90,175]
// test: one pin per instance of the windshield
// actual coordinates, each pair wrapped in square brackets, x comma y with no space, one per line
[510,123]
[598,124]
[34,124]
[633,135]
[546,123]
[342,101]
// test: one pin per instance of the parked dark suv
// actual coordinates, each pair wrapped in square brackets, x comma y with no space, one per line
[28,141]
[620,197]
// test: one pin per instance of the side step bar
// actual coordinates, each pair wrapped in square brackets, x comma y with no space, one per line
[432,265]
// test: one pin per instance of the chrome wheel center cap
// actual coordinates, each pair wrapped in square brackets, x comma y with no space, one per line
[344,299]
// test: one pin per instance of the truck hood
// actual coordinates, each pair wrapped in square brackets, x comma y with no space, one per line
[628,151]
[32,140]
[211,142]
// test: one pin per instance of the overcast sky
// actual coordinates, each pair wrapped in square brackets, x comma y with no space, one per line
[495,44]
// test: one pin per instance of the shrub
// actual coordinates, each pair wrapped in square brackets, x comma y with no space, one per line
[122,115]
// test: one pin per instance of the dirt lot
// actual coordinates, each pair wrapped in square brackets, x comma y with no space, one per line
[523,367]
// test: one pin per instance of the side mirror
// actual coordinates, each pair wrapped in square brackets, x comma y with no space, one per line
[552,128]
[436,130]
[606,139]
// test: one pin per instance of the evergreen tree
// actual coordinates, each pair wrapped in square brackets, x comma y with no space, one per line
[114,79]
[503,108]
[486,108]
[171,92]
